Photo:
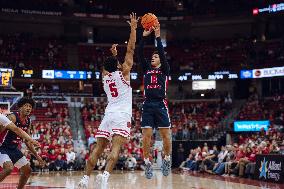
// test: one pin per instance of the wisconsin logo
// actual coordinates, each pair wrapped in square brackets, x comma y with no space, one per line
[263,169]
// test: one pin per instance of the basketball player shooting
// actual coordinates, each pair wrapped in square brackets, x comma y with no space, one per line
[117,119]
[155,111]
[13,127]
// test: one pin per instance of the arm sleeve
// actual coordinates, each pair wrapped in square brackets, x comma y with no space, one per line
[4,120]
[145,65]
[164,64]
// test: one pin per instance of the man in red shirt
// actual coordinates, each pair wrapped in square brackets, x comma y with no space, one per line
[250,156]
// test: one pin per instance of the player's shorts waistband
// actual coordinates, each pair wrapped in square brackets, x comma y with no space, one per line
[120,113]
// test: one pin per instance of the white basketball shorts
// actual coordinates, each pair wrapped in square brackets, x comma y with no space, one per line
[114,124]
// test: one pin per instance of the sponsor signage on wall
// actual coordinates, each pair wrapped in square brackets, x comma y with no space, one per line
[251,126]
[262,73]
[269,168]
[269,9]
[268,72]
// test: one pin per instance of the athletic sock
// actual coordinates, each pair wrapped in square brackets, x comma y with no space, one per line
[146,160]
[167,158]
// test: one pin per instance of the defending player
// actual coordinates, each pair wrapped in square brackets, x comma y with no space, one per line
[16,125]
[117,119]
[155,111]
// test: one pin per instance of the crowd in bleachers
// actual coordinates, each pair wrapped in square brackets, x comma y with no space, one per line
[51,128]
[197,55]
[27,51]
[190,121]
[208,8]
[236,159]
[263,109]
[197,120]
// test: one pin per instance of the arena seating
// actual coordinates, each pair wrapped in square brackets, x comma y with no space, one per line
[262,109]
[51,128]
[205,8]
[229,54]
[239,157]
[26,51]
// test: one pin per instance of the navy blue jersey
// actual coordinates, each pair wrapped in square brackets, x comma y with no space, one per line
[155,79]
[8,138]
[155,85]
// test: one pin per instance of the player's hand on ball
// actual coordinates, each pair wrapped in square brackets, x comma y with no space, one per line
[147,32]
[157,30]
[113,49]
[133,21]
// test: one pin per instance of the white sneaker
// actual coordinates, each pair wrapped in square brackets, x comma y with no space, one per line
[83,184]
[102,181]
[99,179]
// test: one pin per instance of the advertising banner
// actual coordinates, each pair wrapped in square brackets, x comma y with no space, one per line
[268,72]
[251,126]
[269,168]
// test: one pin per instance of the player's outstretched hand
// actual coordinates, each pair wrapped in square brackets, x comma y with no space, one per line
[133,21]
[113,49]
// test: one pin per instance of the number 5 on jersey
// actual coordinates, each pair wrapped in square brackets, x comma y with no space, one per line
[113,90]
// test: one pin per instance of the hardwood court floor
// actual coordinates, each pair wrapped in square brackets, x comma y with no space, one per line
[136,180]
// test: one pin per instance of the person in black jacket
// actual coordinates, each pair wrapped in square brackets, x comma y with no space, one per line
[155,110]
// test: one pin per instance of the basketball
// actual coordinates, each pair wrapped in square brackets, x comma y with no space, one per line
[149,20]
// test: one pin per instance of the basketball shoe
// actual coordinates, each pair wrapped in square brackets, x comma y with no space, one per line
[83,184]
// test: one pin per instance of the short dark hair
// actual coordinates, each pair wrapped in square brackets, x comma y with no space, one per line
[155,52]
[26,100]
[110,64]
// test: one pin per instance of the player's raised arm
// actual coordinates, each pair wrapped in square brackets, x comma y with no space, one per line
[164,64]
[141,58]
[128,60]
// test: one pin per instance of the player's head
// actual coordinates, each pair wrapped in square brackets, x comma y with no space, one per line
[26,105]
[155,61]
[111,64]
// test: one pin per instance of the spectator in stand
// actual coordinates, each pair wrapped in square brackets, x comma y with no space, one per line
[80,160]
[180,153]
[219,167]
[91,140]
[131,163]
[52,157]
[48,113]
[121,161]
[59,164]
[187,164]
[240,153]
[101,163]
[210,160]
[250,156]
[70,157]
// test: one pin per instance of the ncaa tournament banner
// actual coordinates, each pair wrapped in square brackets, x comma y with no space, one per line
[269,168]
[251,126]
